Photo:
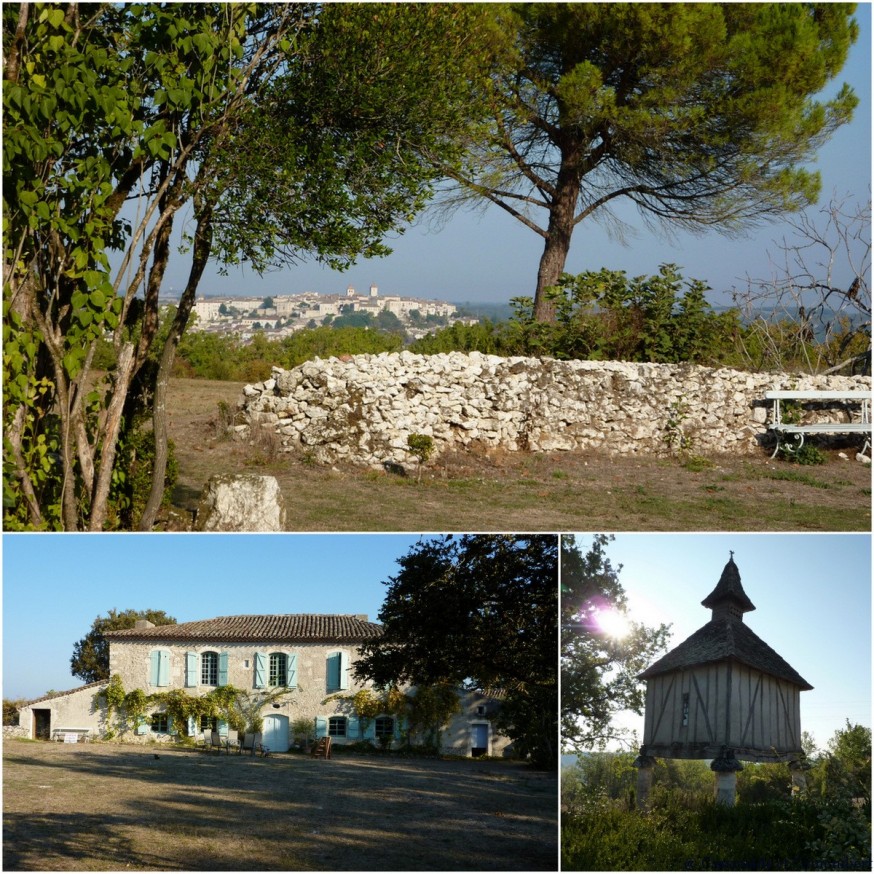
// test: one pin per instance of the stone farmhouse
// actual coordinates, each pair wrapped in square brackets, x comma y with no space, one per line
[313,655]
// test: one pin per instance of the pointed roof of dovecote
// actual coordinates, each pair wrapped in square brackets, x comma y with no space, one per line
[726,637]
[729,590]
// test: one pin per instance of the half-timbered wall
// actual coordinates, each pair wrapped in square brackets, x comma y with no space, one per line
[692,714]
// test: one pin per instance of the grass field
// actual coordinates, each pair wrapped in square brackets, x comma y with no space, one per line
[505,491]
[99,807]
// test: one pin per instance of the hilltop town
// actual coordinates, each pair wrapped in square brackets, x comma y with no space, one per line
[281,315]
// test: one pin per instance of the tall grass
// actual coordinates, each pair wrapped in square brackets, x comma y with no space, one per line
[802,835]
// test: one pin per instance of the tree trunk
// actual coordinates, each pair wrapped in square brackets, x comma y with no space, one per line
[202,248]
[124,374]
[558,239]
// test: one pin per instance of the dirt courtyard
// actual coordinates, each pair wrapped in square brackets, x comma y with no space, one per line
[102,807]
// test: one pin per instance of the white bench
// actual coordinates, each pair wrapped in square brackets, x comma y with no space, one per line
[860,425]
[66,735]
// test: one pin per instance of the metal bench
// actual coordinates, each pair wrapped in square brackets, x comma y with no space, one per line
[861,425]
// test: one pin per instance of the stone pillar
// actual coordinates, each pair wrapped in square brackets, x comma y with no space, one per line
[644,765]
[726,766]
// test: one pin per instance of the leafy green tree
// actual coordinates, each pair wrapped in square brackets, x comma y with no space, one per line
[286,133]
[605,315]
[700,114]
[477,611]
[598,669]
[10,710]
[90,660]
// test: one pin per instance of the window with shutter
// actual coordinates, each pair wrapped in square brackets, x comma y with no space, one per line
[332,672]
[344,671]
[159,667]
[154,662]
[278,668]
[190,669]
[209,669]
[384,727]
[337,726]
[223,669]
[260,670]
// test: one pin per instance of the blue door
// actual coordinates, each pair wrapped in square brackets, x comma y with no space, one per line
[276,733]
[479,739]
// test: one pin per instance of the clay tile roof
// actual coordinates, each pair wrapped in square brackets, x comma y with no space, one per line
[729,588]
[721,639]
[290,627]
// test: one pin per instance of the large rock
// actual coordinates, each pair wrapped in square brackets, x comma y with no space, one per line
[241,503]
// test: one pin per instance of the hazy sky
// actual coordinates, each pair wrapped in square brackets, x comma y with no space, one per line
[490,256]
[54,586]
[812,594]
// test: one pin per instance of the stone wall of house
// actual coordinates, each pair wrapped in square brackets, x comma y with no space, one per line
[362,408]
[78,708]
[131,660]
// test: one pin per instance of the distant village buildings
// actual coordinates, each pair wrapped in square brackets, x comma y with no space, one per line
[285,314]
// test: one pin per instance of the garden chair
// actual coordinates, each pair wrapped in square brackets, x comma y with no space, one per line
[233,741]
[215,742]
[259,746]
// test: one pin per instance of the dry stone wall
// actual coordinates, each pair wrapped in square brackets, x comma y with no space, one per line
[362,408]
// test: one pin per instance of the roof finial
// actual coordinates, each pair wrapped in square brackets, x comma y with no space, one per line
[731,553]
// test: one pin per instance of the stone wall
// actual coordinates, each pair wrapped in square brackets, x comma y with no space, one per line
[362,408]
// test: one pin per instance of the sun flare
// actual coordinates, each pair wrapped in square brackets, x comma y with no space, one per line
[613,623]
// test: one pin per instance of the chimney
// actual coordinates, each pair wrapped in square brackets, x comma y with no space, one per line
[143,623]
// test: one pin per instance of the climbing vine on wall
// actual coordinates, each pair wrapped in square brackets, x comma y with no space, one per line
[240,709]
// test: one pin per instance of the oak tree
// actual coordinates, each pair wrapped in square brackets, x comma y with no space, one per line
[477,612]
[599,668]
[90,660]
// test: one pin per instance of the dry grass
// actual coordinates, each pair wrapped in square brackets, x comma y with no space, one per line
[100,807]
[505,491]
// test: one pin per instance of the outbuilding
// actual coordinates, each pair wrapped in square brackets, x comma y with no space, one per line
[722,694]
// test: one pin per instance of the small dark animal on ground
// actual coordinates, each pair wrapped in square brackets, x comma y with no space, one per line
[394,467]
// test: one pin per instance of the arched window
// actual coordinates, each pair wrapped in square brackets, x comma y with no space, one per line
[278,669]
[209,669]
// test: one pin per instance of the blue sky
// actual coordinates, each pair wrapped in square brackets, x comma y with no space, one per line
[54,586]
[489,256]
[812,594]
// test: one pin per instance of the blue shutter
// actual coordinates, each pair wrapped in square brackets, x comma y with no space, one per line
[397,728]
[155,659]
[260,670]
[223,669]
[190,669]
[143,726]
[370,731]
[291,676]
[344,670]
[163,668]
[169,724]
[222,728]
[353,727]
[321,727]
[192,726]
[332,671]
